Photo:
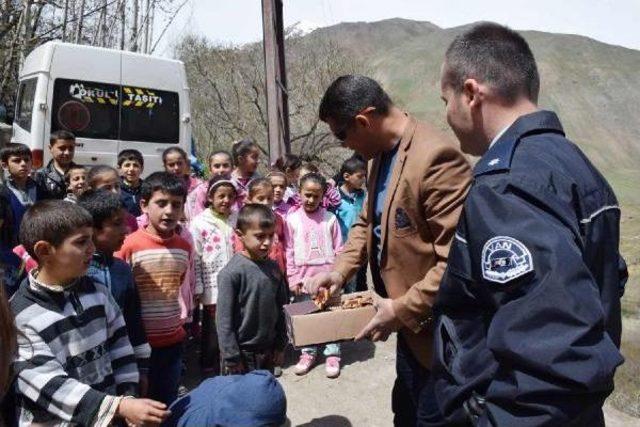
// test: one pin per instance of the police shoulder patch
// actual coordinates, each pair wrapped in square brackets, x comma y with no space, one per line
[504,259]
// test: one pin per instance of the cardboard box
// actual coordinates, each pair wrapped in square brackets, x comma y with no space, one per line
[327,326]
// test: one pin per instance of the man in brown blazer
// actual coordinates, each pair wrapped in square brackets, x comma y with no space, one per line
[417,184]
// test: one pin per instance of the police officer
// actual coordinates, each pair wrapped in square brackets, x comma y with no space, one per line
[528,314]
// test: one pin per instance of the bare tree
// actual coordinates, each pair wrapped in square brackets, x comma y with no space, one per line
[228,101]
[25,24]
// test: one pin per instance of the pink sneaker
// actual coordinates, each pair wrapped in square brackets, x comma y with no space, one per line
[332,367]
[304,364]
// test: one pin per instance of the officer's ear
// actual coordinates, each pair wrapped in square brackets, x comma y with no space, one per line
[472,92]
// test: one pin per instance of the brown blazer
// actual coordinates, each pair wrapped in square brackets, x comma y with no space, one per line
[429,182]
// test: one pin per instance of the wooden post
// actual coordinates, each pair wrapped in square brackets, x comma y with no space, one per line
[275,79]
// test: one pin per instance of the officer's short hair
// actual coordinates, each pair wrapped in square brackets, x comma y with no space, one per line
[350,94]
[495,55]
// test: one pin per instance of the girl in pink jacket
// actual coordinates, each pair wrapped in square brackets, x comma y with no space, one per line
[313,238]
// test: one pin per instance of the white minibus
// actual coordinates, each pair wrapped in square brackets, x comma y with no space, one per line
[110,99]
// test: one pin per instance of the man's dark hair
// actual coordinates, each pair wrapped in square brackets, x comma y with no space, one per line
[242,148]
[98,170]
[178,150]
[61,135]
[162,181]
[350,94]
[67,174]
[129,155]
[495,55]
[101,204]
[255,212]
[353,165]
[315,178]
[52,221]
[14,149]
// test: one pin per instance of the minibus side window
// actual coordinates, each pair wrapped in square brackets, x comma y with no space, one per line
[26,96]
[149,115]
[88,109]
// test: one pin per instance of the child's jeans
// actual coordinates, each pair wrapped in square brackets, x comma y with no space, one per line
[332,349]
[165,368]
[209,348]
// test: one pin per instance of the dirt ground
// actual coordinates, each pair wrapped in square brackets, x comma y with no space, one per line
[361,396]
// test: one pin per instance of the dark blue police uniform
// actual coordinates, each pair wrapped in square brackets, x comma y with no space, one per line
[528,313]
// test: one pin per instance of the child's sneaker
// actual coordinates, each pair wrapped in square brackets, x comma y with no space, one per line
[304,364]
[332,366]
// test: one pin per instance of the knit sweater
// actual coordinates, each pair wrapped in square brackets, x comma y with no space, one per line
[250,315]
[312,241]
[159,267]
[213,246]
[73,353]
[115,275]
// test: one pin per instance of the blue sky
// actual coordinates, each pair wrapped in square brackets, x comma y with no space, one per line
[239,21]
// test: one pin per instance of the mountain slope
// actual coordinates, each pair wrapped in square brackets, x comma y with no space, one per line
[594,87]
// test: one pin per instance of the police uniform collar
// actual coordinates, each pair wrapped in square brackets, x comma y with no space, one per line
[499,155]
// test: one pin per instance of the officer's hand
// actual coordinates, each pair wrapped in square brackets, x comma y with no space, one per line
[332,280]
[383,323]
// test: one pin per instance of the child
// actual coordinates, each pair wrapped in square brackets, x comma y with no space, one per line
[255,399]
[50,179]
[312,238]
[160,259]
[290,165]
[109,230]
[250,319]
[220,164]
[23,191]
[76,180]
[331,199]
[212,233]
[176,162]
[246,155]
[279,183]
[11,265]
[261,193]
[103,177]
[353,175]
[131,166]
[75,363]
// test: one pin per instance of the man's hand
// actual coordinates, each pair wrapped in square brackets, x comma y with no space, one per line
[140,411]
[296,289]
[333,280]
[383,323]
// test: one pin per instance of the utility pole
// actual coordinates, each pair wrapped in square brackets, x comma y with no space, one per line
[275,79]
